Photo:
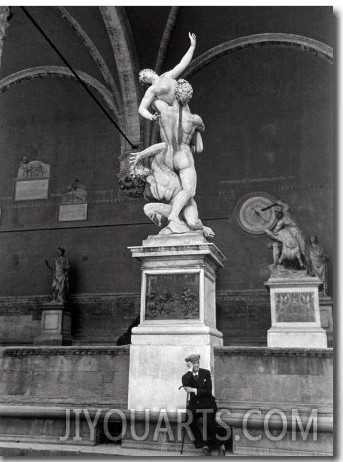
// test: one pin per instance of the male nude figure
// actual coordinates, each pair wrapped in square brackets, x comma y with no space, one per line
[165,184]
[187,127]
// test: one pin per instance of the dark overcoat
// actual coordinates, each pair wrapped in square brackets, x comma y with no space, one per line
[203,399]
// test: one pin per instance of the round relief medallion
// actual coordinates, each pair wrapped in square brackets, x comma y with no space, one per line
[251,214]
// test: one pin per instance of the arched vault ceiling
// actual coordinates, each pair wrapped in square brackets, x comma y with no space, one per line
[283,40]
[125,56]
[61,72]
[296,42]
[94,52]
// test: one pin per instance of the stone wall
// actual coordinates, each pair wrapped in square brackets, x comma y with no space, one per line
[242,316]
[37,384]
[96,319]
[282,379]
[69,376]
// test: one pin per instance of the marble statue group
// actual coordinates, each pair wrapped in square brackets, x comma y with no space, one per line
[170,170]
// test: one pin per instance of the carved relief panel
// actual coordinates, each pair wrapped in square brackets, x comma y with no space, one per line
[172,296]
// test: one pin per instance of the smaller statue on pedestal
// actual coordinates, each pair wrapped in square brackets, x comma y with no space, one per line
[60,283]
[288,239]
[317,262]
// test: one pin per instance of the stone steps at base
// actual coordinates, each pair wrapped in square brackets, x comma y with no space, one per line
[8,449]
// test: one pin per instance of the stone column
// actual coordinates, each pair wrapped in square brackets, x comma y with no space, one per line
[4,14]
[178,317]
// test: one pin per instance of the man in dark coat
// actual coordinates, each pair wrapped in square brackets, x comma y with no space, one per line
[198,383]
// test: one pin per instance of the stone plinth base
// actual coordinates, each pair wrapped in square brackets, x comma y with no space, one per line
[293,337]
[55,325]
[178,317]
[295,312]
[157,363]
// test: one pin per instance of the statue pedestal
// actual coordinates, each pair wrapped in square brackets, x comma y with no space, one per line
[55,325]
[295,313]
[178,317]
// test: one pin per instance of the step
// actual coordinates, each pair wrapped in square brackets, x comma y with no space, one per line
[8,449]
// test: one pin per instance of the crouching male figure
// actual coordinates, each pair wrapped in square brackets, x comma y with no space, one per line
[202,404]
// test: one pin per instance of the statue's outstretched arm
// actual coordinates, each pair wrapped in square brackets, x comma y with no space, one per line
[283,205]
[148,98]
[185,61]
[148,152]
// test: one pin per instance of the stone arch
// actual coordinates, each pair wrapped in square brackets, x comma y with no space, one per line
[120,36]
[296,42]
[62,72]
[93,51]
[151,130]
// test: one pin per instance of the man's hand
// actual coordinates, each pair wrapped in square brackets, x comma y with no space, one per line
[190,389]
[193,39]
[189,366]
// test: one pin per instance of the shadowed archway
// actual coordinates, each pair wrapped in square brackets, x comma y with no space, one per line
[62,72]
[296,42]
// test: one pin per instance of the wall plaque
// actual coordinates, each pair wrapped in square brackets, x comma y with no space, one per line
[74,205]
[32,180]
[72,212]
[31,189]
[294,307]
[172,296]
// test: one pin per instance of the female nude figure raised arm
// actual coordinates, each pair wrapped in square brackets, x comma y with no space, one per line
[165,87]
